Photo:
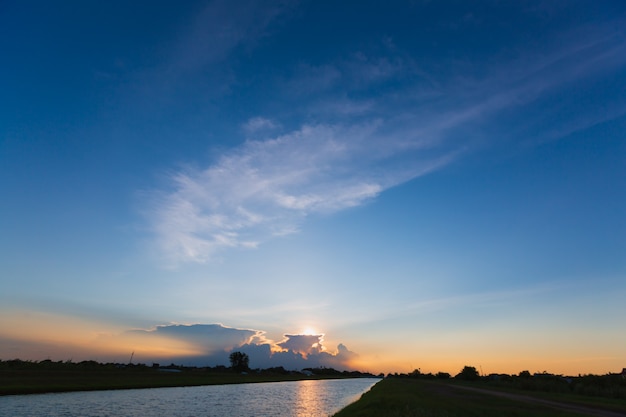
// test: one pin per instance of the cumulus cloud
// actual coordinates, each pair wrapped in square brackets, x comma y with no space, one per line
[211,345]
[299,351]
[193,345]
[305,344]
[205,337]
[262,356]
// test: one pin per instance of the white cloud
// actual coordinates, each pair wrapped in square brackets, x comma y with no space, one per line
[258,123]
[305,344]
[265,188]
[299,355]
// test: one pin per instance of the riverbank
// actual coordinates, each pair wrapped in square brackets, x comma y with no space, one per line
[35,378]
[414,397]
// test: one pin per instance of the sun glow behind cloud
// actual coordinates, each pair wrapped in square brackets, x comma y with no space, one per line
[33,335]
[498,342]
[309,331]
[426,189]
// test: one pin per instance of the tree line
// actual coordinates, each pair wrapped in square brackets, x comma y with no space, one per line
[611,385]
[239,363]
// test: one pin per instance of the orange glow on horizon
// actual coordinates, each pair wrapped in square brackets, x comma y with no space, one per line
[556,362]
[36,335]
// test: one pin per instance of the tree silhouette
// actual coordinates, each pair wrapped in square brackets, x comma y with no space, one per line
[239,361]
[469,373]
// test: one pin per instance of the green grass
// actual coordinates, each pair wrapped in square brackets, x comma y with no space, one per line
[38,380]
[413,397]
[614,404]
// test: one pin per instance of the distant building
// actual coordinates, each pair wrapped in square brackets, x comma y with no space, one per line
[624,373]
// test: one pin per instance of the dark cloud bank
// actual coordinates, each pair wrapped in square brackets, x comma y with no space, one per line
[217,342]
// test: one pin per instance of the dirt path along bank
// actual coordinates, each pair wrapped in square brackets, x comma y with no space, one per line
[596,412]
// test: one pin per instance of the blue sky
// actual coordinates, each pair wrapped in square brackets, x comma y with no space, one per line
[380,186]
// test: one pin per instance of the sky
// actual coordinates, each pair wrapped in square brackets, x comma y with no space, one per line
[380,186]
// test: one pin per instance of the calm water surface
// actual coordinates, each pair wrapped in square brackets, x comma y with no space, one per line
[280,399]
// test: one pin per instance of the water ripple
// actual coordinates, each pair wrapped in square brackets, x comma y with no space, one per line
[275,399]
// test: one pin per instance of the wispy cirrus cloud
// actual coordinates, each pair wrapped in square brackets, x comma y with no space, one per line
[259,124]
[360,142]
[219,28]
[266,188]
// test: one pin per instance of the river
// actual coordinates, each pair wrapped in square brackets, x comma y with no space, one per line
[311,398]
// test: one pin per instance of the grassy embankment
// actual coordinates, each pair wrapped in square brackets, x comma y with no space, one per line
[61,378]
[414,397]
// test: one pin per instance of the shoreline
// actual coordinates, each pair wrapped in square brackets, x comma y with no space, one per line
[53,389]
[74,378]
[412,397]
